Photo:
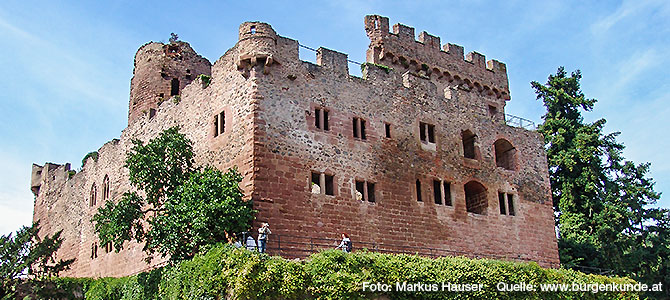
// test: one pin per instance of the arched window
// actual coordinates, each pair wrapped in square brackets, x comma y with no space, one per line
[105,188]
[475,198]
[469,148]
[505,154]
[93,196]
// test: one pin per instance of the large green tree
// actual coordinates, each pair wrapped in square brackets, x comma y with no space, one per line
[181,208]
[604,204]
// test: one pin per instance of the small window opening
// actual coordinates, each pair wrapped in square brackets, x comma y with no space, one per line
[447,193]
[219,123]
[437,191]
[475,198]
[330,188]
[359,128]
[93,196]
[418,190]
[321,119]
[427,132]
[387,129]
[152,113]
[501,203]
[174,89]
[161,95]
[316,183]
[493,111]
[505,154]
[360,190]
[105,188]
[469,144]
[252,30]
[371,192]
[94,250]
[108,247]
[322,184]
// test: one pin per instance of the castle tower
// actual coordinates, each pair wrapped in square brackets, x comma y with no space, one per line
[256,46]
[161,72]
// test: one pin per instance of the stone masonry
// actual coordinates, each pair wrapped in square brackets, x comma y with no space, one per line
[415,156]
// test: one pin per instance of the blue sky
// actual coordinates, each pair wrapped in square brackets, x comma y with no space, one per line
[66,66]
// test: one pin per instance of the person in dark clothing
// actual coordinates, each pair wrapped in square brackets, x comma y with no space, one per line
[345,245]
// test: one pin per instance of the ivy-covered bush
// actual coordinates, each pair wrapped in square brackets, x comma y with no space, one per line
[229,273]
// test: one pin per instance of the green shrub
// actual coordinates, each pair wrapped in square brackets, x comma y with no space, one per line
[93,155]
[225,272]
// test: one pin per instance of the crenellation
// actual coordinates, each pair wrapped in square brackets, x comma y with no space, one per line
[476,58]
[429,40]
[332,60]
[404,32]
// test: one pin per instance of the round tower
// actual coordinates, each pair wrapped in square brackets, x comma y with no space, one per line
[257,45]
[161,72]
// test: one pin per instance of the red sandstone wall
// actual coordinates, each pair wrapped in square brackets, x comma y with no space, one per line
[269,97]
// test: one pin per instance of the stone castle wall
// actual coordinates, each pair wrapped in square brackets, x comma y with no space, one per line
[269,98]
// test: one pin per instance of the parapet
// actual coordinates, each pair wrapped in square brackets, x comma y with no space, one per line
[425,55]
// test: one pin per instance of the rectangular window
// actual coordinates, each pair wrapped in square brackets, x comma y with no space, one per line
[330,188]
[219,123]
[360,190]
[387,129]
[447,193]
[437,191]
[501,203]
[427,132]
[418,190]
[322,184]
[321,119]
[371,192]
[359,128]
[510,205]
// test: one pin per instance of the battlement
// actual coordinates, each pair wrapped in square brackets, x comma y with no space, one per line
[400,49]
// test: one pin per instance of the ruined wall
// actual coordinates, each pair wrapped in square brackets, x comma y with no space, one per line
[292,147]
[62,202]
[162,71]
[266,98]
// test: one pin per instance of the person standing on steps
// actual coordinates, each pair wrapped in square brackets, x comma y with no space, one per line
[345,245]
[263,233]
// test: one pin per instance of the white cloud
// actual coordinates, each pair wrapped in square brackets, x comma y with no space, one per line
[628,9]
[16,199]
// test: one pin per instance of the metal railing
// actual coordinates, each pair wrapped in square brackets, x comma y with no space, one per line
[293,246]
[512,120]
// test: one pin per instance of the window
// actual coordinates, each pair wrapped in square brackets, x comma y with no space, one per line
[469,150]
[505,154]
[322,184]
[152,113]
[475,198]
[252,30]
[493,111]
[418,190]
[109,247]
[93,196]
[427,132]
[359,128]
[321,119]
[174,87]
[387,130]
[105,188]
[219,123]
[506,203]
[94,250]
[442,192]
[365,191]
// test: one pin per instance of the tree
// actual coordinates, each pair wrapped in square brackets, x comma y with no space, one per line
[603,202]
[26,255]
[183,208]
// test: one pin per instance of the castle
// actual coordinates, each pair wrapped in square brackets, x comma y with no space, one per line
[414,155]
